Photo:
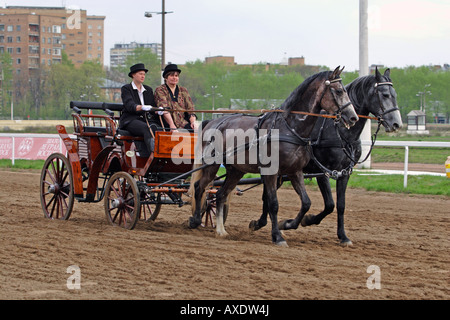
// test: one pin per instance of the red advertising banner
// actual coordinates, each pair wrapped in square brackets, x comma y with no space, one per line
[30,148]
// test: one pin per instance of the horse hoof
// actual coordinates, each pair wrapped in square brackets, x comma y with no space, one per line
[222,234]
[346,243]
[307,220]
[193,224]
[282,244]
[286,225]
[254,225]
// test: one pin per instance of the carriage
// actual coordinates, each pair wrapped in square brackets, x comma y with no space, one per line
[106,163]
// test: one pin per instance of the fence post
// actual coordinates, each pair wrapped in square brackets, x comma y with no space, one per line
[13,150]
[405,178]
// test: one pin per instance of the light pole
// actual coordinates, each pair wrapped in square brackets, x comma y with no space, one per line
[421,95]
[213,96]
[163,13]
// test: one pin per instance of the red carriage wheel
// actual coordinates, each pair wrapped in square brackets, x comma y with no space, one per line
[149,212]
[122,203]
[56,191]
[209,211]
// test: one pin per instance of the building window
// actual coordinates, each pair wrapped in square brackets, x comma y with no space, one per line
[2,27]
[10,28]
[18,39]
[56,29]
[19,60]
[10,50]
[2,39]
[19,28]
[18,50]
[9,39]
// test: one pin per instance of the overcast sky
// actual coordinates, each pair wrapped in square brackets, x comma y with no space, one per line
[325,32]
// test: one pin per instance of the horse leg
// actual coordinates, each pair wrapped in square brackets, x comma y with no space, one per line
[262,222]
[199,181]
[299,187]
[341,187]
[270,193]
[222,198]
[325,188]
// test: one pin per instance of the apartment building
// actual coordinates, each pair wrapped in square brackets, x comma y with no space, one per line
[121,51]
[36,36]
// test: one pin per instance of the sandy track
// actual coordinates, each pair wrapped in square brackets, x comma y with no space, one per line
[407,237]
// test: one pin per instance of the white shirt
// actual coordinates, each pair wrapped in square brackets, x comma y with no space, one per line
[141,93]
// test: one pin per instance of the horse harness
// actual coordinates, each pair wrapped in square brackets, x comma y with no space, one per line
[351,153]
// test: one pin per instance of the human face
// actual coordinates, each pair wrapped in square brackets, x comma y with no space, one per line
[139,77]
[172,79]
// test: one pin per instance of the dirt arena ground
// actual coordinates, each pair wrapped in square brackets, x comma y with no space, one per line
[405,236]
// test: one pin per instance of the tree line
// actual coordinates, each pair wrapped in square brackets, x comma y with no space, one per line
[47,94]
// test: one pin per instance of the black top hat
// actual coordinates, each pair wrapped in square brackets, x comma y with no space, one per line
[137,67]
[169,68]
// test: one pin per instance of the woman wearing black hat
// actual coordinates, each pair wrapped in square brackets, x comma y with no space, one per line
[171,95]
[137,99]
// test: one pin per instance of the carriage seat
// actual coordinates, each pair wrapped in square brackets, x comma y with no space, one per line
[138,141]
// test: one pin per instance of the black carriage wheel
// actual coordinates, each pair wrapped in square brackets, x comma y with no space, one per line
[122,203]
[56,190]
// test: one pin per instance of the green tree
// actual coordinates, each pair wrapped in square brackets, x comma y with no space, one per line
[6,77]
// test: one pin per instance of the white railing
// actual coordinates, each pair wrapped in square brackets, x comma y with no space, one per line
[406,145]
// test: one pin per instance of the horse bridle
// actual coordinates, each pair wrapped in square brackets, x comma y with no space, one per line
[380,116]
[340,108]
[380,120]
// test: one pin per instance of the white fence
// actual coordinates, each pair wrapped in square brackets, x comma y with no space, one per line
[406,145]
[40,146]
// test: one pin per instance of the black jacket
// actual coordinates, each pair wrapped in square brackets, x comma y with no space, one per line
[130,100]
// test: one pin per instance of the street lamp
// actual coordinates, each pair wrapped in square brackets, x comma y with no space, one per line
[163,13]
[213,96]
[421,95]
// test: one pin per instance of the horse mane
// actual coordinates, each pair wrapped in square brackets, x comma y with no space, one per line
[298,95]
[357,90]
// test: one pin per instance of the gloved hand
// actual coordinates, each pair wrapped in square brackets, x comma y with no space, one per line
[146,108]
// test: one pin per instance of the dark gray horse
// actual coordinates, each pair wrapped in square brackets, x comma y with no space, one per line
[320,91]
[337,150]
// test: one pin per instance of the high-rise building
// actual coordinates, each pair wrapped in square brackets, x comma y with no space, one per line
[36,36]
[121,51]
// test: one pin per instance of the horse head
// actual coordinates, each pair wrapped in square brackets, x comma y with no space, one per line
[335,100]
[383,102]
